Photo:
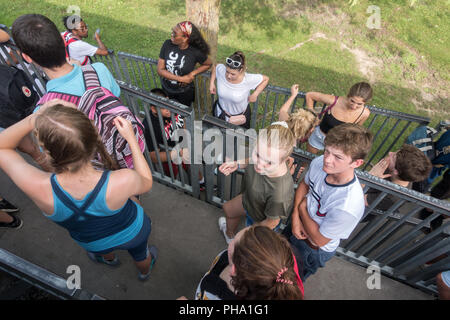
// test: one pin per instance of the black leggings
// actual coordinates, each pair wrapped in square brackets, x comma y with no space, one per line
[187,97]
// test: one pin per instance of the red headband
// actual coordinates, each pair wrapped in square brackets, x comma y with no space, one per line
[186,28]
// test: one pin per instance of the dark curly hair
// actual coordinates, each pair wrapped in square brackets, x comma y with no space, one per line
[197,41]
[259,255]
[72,19]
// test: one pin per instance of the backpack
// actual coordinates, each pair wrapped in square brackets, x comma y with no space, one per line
[102,106]
[17,96]
[68,39]
[442,150]
[422,138]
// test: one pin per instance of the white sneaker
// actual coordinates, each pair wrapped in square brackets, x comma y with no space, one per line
[223,228]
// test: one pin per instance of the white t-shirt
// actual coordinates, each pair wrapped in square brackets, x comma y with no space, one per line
[337,209]
[78,50]
[233,98]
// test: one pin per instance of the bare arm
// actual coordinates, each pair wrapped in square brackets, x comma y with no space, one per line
[164,73]
[259,89]
[102,49]
[319,97]
[364,117]
[270,223]
[297,227]
[284,111]
[4,36]
[311,227]
[212,85]
[143,180]
[203,67]
[34,182]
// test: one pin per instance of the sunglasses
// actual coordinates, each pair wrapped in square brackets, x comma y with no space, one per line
[233,64]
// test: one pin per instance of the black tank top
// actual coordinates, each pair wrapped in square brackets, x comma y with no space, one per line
[329,121]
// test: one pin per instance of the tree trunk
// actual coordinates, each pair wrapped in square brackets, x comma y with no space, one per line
[205,15]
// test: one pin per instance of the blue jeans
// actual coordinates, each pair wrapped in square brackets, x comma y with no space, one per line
[310,259]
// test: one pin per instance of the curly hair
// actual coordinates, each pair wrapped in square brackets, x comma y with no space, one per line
[197,41]
[259,257]
[301,122]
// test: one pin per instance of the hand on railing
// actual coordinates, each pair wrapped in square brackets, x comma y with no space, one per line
[228,167]
[294,90]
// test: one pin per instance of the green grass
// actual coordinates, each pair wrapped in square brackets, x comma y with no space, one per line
[412,43]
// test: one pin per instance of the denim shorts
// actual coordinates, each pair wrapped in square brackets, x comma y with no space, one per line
[249,221]
[136,247]
[317,139]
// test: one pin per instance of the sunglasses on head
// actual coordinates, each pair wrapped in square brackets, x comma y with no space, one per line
[233,64]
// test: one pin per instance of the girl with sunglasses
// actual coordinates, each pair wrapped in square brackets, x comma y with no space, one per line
[233,90]
[177,60]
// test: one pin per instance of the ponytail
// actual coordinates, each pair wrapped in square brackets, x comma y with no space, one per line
[105,158]
[197,41]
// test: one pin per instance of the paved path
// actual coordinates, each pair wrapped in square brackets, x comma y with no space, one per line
[185,231]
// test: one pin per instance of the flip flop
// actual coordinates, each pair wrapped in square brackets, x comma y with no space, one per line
[154,253]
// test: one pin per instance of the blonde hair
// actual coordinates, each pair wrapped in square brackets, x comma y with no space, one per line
[301,122]
[279,135]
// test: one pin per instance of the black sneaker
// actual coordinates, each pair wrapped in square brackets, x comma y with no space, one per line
[15,224]
[7,207]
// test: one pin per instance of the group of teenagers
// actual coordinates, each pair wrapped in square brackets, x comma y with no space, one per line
[289,233]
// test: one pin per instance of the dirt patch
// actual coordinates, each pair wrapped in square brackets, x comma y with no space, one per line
[415,71]
[366,65]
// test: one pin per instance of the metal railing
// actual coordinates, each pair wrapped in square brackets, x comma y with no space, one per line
[140,103]
[390,128]
[394,239]
[41,278]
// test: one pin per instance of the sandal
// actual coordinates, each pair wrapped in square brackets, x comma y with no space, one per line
[154,253]
[98,258]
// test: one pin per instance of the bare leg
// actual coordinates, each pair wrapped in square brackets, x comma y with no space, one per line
[444,291]
[144,265]
[109,256]
[234,211]
[311,149]
[5,218]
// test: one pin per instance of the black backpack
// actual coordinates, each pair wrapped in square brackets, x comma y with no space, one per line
[17,96]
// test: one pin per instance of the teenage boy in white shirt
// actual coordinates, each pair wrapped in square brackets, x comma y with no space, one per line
[329,202]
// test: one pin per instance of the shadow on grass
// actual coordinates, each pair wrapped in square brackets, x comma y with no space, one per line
[150,39]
